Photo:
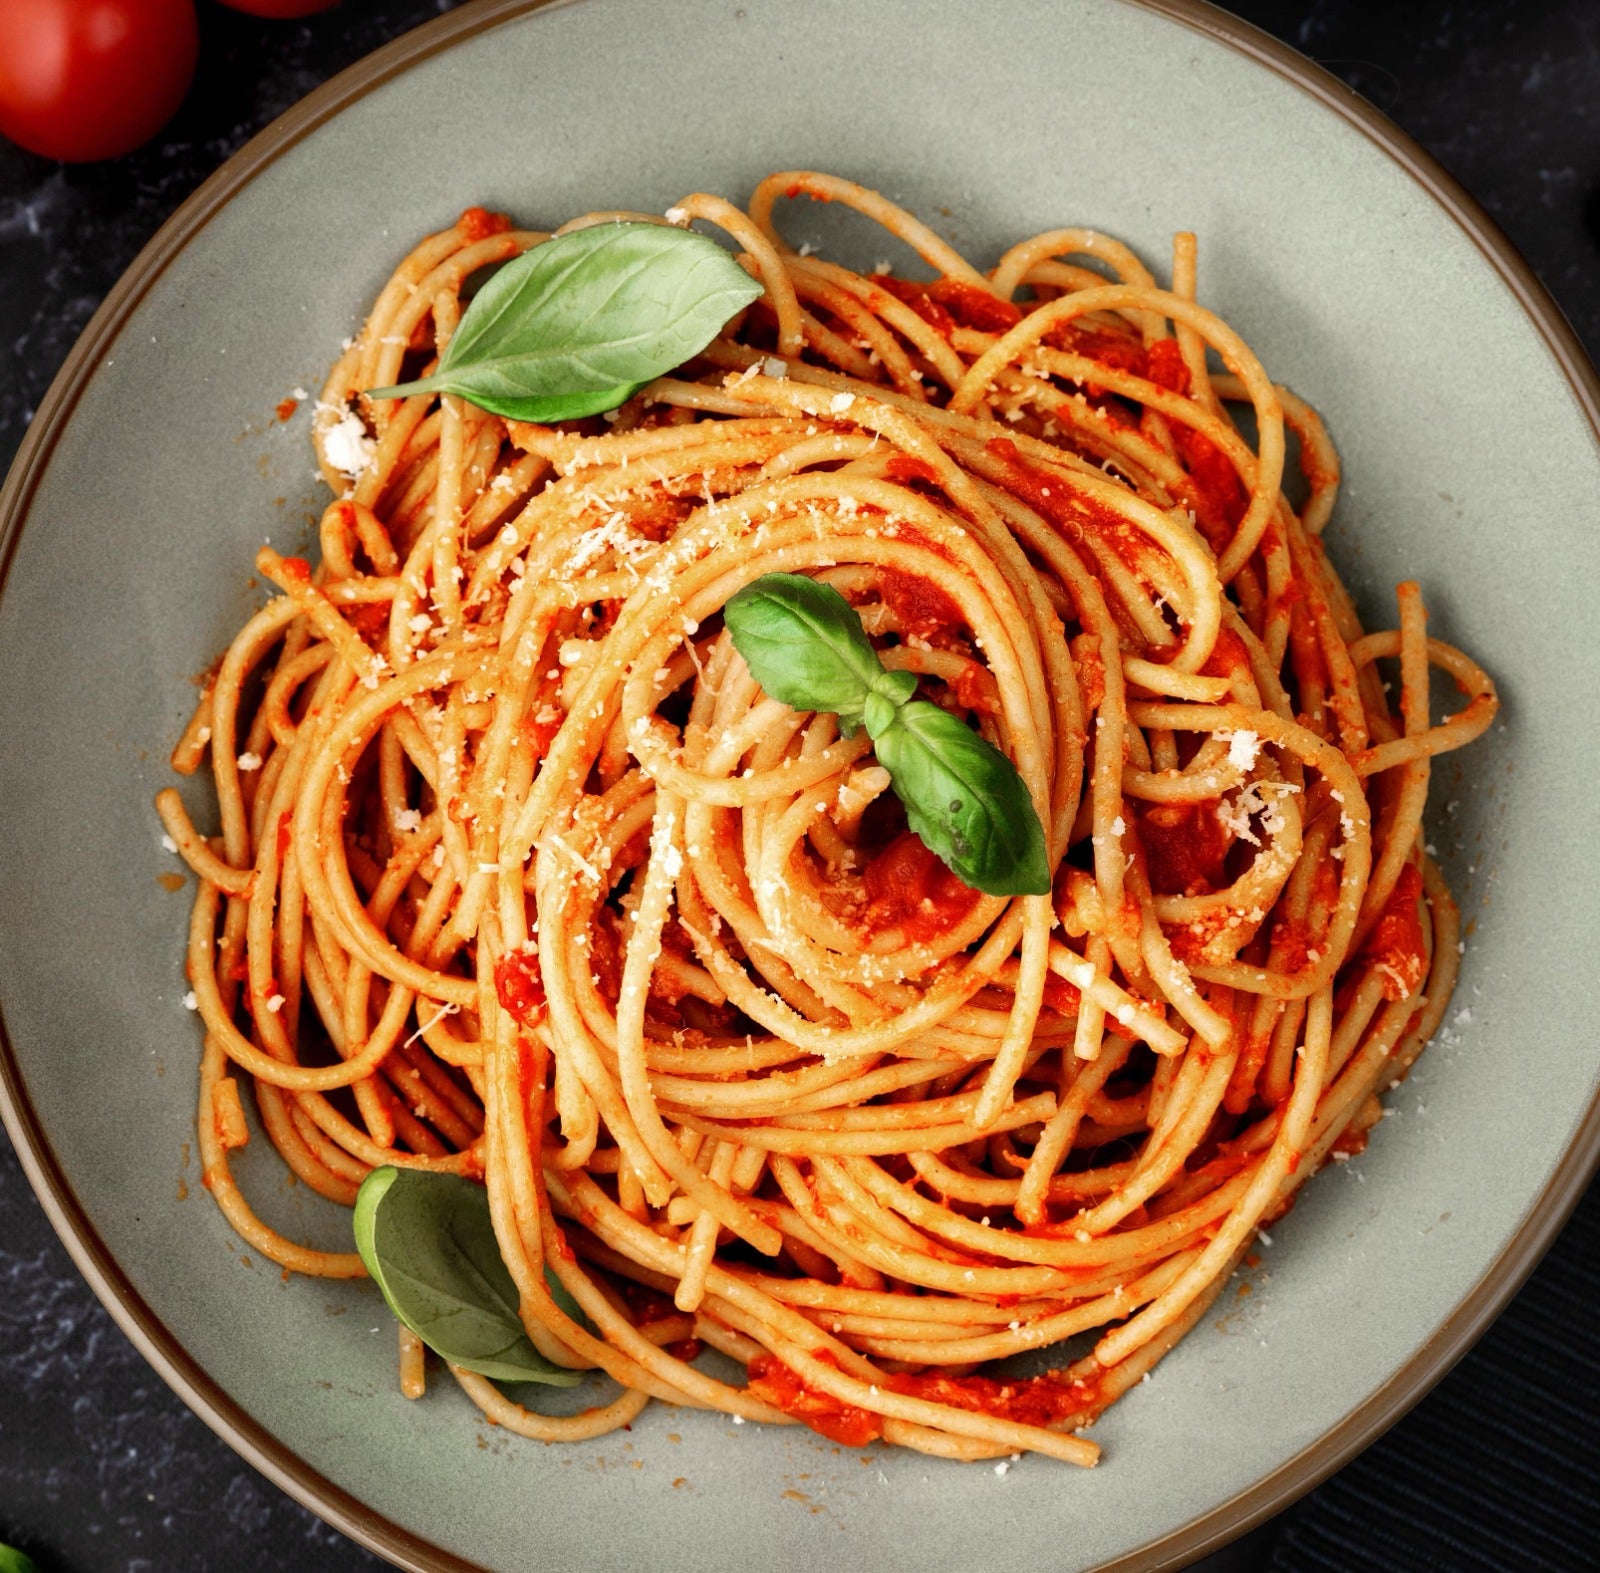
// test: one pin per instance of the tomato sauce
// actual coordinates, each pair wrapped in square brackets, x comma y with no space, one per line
[1115,351]
[912,894]
[1396,944]
[1220,498]
[921,608]
[1292,942]
[975,308]
[1186,847]
[774,1383]
[479,224]
[1031,1401]
[286,407]
[519,986]
[905,469]
[917,297]
[1071,512]
[1165,366]
[1062,997]
[1228,654]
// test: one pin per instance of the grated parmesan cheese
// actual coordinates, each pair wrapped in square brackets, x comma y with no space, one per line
[345,443]
[1242,750]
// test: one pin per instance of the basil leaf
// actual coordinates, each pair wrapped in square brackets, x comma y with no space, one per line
[805,645]
[576,325]
[965,799]
[429,1243]
[13,1561]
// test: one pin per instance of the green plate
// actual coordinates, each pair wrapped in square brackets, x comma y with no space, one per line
[1367,282]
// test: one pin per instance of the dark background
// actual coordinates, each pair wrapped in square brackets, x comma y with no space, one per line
[101,1467]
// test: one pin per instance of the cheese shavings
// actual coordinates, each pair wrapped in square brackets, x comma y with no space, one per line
[345,442]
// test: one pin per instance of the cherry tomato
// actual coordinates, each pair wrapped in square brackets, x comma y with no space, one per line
[280,7]
[90,79]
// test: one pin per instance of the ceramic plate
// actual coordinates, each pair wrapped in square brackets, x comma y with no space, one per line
[1364,279]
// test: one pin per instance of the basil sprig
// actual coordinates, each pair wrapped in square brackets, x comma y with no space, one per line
[805,645]
[428,1241]
[13,1561]
[577,325]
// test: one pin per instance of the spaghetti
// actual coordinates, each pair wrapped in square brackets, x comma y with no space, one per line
[521,877]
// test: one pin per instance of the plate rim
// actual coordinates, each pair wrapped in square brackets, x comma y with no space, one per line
[162,1348]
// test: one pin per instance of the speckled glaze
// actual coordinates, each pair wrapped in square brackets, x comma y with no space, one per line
[156,467]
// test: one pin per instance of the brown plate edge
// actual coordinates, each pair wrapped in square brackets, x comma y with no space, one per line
[156,1342]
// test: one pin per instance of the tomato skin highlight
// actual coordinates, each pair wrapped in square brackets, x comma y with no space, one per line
[280,9]
[82,80]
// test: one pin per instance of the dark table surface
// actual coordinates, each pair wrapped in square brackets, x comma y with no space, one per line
[101,1467]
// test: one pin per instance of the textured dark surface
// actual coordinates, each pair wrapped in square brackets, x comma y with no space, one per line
[101,1467]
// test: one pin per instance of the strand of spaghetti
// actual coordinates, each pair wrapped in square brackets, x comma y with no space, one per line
[829,188]
[217,1178]
[1281,1159]
[666,857]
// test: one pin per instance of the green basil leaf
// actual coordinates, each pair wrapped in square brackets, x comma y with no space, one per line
[804,644]
[576,325]
[965,799]
[429,1243]
[13,1561]
[559,406]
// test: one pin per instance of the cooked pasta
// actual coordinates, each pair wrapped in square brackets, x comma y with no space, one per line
[522,877]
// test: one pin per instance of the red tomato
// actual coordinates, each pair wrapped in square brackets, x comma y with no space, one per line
[88,79]
[280,7]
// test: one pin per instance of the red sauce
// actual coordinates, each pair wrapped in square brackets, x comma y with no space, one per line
[370,621]
[297,569]
[1228,654]
[286,408]
[774,1383]
[1186,847]
[1396,943]
[1221,500]
[916,296]
[975,689]
[1117,351]
[903,468]
[1063,998]
[975,308]
[480,224]
[285,831]
[519,987]
[1035,1401]
[1352,1143]
[1292,941]
[1164,365]
[921,608]
[910,892]
[1071,512]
